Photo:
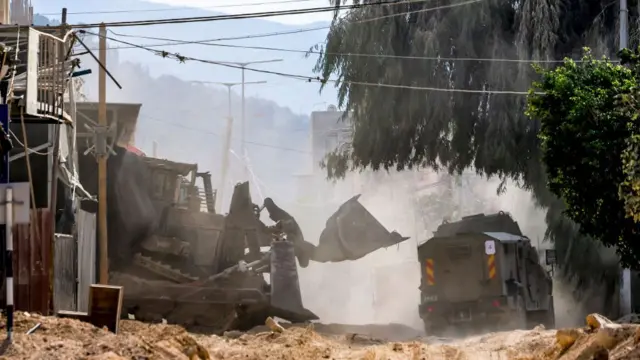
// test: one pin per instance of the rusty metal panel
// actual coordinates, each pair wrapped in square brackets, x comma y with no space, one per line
[64,276]
[33,260]
[86,223]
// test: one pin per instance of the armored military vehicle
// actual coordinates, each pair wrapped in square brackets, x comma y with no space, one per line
[482,274]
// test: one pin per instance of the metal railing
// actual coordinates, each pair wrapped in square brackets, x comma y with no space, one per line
[207,203]
[42,70]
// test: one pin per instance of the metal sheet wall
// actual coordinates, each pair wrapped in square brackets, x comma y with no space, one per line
[64,276]
[86,223]
[33,262]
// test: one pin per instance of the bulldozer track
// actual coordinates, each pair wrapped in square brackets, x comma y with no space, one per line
[163,270]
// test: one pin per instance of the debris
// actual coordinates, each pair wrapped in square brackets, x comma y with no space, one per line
[58,338]
[34,328]
[565,338]
[273,325]
[233,334]
[363,340]
[629,319]
[107,356]
[597,321]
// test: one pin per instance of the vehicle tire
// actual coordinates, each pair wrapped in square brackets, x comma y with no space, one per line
[431,329]
[519,319]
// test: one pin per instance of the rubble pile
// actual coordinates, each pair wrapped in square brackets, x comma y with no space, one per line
[56,338]
[600,339]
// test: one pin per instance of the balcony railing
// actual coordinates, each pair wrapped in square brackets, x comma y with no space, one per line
[43,70]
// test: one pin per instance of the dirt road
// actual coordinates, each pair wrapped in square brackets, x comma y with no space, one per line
[70,339]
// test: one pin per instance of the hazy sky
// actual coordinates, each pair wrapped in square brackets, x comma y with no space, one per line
[250,6]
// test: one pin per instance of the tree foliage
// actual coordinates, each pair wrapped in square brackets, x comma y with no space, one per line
[629,102]
[584,133]
[405,128]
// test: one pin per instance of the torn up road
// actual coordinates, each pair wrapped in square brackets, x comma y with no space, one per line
[72,339]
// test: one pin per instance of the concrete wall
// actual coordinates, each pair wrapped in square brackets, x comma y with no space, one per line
[327,131]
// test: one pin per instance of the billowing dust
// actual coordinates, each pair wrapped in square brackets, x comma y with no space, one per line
[383,286]
[72,339]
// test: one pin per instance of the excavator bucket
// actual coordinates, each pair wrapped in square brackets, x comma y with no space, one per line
[351,233]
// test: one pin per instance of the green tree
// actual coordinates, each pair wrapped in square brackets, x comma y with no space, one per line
[405,128]
[585,129]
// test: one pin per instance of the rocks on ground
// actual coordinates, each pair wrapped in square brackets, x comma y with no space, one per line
[600,339]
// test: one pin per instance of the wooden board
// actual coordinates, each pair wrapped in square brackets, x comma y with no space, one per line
[105,306]
[77,315]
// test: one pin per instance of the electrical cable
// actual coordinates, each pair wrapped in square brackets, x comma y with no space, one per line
[183,59]
[382,56]
[259,14]
[31,151]
[278,33]
[174,8]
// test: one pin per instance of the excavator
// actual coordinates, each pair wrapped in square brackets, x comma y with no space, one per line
[180,261]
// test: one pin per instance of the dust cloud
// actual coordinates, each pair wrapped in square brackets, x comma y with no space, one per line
[382,287]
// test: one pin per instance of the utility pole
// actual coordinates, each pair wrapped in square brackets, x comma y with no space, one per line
[625,281]
[102,154]
[624,25]
[244,65]
[227,140]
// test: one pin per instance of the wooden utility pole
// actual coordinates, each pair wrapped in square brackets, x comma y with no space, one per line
[102,159]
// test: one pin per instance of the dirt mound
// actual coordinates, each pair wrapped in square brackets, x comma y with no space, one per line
[389,332]
[72,339]
[305,343]
[601,339]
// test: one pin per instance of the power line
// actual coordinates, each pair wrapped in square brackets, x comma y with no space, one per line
[175,8]
[216,134]
[287,32]
[263,14]
[382,56]
[240,37]
[182,59]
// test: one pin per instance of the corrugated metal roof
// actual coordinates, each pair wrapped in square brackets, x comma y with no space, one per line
[182,168]
[506,237]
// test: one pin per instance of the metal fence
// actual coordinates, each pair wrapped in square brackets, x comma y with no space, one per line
[86,223]
[65,285]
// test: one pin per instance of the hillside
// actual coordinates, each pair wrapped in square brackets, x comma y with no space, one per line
[301,97]
[188,121]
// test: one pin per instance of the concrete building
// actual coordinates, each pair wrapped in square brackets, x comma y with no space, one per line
[329,129]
